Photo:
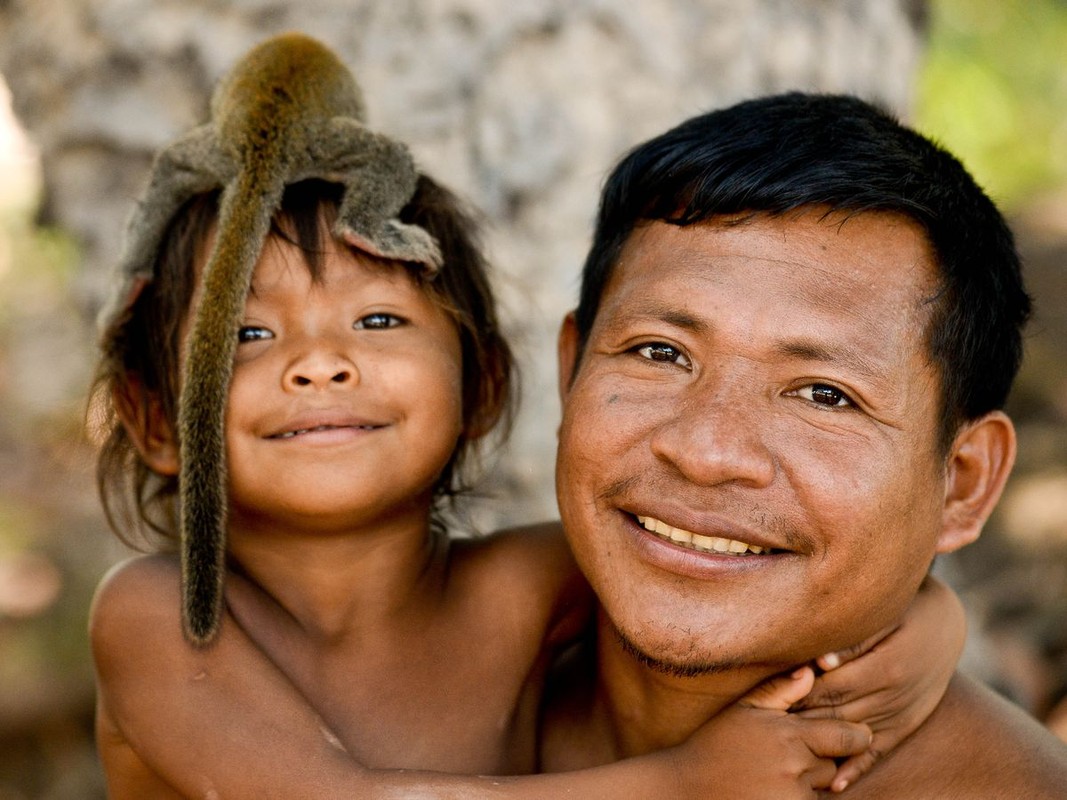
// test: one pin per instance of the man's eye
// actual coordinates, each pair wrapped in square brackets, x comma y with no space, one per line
[378,321]
[665,353]
[825,395]
[253,333]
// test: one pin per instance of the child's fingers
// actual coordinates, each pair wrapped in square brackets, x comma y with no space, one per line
[832,738]
[871,710]
[780,692]
[837,658]
[858,681]
[821,774]
[853,769]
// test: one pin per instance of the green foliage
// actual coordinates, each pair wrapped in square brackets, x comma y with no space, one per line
[994,91]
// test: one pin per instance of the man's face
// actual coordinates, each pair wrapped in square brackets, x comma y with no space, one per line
[759,387]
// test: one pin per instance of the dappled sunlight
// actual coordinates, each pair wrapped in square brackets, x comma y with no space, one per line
[30,584]
[1034,510]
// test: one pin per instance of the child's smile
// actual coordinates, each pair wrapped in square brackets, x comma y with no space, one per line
[317,424]
[346,395]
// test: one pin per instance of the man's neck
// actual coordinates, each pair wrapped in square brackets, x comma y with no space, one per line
[642,708]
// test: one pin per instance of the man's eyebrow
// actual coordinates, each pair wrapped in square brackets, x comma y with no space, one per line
[808,350]
[670,314]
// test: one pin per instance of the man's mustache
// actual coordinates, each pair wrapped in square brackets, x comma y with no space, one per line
[724,500]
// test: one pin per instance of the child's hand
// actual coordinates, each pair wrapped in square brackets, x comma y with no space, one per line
[894,680]
[757,749]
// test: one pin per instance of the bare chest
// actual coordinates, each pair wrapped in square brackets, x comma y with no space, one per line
[467,706]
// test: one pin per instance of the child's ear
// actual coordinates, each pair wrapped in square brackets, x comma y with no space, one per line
[494,393]
[147,425]
[978,467]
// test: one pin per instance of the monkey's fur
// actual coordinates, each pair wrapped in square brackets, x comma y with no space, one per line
[289,111]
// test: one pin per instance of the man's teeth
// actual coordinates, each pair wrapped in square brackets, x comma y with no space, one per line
[696,541]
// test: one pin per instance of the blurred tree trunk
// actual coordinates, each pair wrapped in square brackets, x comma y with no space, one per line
[520,107]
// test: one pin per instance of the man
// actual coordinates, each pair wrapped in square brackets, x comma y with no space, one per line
[782,387]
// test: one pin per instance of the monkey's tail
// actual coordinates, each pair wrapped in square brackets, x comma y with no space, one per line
[245,212]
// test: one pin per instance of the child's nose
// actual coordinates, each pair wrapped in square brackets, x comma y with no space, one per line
[321,370]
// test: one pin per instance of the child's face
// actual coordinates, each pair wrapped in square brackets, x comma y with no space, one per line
[346,399]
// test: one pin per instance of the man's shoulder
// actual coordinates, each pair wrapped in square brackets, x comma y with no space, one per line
[1011,753]
[975,745]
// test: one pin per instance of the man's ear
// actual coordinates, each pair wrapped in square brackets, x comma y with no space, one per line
[978,467]
[567,352]
[147,425]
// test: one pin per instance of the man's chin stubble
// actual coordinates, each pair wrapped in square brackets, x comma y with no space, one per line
[693,667]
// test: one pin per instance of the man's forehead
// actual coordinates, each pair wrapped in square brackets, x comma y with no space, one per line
[883,251]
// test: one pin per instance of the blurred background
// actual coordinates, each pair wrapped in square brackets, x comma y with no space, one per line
[521,108]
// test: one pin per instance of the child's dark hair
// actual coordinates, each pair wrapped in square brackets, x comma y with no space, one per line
[140,349]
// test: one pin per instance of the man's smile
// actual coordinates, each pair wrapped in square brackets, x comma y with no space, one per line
[699,542]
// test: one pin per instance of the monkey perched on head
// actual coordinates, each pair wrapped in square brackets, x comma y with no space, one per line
[288,111]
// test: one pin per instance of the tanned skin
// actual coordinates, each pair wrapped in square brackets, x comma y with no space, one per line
[356,638]
[735,385]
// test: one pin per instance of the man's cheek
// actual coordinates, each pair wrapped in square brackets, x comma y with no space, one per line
[616,412]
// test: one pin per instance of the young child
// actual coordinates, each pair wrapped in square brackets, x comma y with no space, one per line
[358,640]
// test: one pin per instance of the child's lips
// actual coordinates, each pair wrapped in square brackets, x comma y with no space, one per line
[321,429]
[323,423]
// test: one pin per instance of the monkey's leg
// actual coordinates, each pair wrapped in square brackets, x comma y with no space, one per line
[379,179]
[190,166]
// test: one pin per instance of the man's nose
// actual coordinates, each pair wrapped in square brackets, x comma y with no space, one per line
[321,368]
[717,436]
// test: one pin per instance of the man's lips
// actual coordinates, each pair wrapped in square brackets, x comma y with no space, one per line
[702,543]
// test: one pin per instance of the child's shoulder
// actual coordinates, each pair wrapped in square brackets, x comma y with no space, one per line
[154,574]
[143,578]
[531,552]
[138,595]
[530,568]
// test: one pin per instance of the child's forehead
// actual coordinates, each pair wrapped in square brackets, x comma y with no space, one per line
[285,266]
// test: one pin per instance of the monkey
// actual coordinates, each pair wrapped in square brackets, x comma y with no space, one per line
[288,111]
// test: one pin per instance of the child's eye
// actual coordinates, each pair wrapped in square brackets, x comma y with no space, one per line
[377,321]
[253,333]
[664,353]
[825,395]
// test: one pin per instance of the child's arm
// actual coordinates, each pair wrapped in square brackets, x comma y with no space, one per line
[224,721]
[753,750]
[894,680]
[760,750]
